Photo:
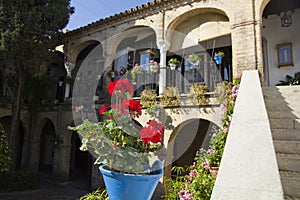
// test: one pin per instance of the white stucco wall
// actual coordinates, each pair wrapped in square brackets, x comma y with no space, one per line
[275,34]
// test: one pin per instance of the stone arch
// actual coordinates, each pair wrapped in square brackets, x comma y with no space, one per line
[81,51]
[204,31]
[185,140]
[73,50]
[5,111]
[199,24]
[48,141]
[262,5]
[136,39]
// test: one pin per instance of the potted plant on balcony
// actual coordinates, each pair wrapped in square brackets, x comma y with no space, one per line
[136,70]
[125,148]
[218,57]
[194,59]
[153,66]
[173,63]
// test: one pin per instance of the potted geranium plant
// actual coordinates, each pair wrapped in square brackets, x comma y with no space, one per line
[173,63]
[124,147]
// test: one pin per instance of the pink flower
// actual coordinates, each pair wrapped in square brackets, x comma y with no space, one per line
[192,173]
[234,89]
[228,123]
[226,130]
[211,151]
[194,164]
[206,164]
[234,95]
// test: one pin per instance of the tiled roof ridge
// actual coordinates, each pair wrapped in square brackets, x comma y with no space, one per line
[125,14]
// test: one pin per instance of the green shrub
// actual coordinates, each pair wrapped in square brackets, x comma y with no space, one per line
[18,181]
[197,93]
[99,194]
[289,80]
[148,97]
[170,97]
[5,159]
[173,185]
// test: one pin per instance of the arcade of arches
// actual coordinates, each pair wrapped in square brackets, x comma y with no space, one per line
[246,31]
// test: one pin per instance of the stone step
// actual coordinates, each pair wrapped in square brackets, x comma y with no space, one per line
[282,107]
[291,198]
[288,162]
[288,94]
[288,147]
[285,123]
[295,89]
[280,95]
[290,183]
[273,114]
[286,134]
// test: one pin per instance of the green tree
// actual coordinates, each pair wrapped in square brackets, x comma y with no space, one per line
[4,151]
[29,31]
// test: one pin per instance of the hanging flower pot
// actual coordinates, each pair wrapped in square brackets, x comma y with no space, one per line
[218,59]
[173,63]
[172,66]
[122,186]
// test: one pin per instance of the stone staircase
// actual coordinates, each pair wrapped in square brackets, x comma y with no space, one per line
[283,107]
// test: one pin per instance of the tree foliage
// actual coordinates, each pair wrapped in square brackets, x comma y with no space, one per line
[4,151]
[29,30]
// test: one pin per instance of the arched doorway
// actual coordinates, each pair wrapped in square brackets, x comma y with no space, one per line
[275,32]
[188,138]
[47,145]
[201,32]
[80,162]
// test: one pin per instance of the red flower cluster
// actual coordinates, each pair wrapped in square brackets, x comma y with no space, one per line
[102,110]
[132,107]
[122,86]
[153,132]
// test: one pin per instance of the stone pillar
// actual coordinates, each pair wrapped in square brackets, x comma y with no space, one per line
[243,47]
[64,166]
[163,46]
[96,177]
[69,67]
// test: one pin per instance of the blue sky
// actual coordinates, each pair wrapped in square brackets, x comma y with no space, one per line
[88,11]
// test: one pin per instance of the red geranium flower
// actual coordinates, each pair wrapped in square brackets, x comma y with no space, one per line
[132,107]
[150,134]
[153,132]
[102,110]
[158,126]
[120,85]
[111,87]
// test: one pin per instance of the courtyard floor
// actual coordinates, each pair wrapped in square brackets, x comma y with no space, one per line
[49,190]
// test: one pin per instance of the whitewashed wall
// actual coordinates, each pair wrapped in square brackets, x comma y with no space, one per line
[275,34]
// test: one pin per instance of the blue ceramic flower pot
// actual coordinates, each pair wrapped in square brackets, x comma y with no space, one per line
[129,186]
[218,59]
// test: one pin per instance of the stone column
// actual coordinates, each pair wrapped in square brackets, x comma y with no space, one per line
[64,166]
[69,67]
[243,47]
[163,46]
